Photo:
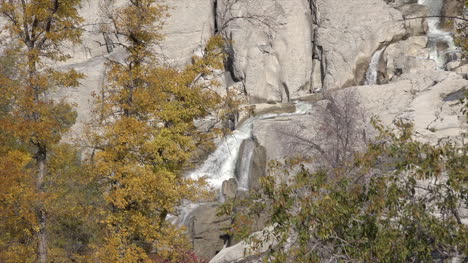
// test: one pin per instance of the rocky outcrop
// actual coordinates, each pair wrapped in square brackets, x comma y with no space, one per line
[207,230]
[424,101]
[244,251]
[271,46]
[349,32]
[251,164]
[407,56]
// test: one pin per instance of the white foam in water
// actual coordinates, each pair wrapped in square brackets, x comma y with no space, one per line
[220,165]
[371,74]
[185,211]
[435,35]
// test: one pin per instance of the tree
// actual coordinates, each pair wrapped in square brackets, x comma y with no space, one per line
[145,136]
[38,30]
[399,200]
[399,204]
[337,133]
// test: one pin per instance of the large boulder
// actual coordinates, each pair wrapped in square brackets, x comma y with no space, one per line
[251,164]
[245,251]
[406,56]
[207,230]
[229,189]
[271,48]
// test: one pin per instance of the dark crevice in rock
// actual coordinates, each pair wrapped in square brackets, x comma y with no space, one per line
[318,53]
[215,16]
[286,93]
[314,11]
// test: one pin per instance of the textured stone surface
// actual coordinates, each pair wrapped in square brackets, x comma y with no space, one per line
[242,251]
[414,27]
[271,46]
[208,231]
[422,101]
[349,32]
[405,56]
[186,30]
[275,135]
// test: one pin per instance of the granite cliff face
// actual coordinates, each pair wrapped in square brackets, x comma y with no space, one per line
[280,50]
[286,50]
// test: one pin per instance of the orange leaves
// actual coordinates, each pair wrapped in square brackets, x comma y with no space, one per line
[30,121]
[17,199]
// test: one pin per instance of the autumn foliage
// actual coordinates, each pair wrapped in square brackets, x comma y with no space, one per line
[145,136]
[58,204]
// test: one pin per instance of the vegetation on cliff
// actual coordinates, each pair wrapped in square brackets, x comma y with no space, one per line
[396,200]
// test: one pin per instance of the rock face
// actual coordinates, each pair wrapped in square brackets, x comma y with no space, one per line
[279,50]
[348,33]
[209,232]
[407,56]
[271,48]
[186,30]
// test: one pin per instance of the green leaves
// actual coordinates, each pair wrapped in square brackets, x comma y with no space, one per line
[375,214]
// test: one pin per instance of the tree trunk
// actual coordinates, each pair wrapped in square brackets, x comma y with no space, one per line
[41,213]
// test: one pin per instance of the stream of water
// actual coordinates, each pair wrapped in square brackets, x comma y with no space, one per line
[221,164]
[371,74]
[436,36]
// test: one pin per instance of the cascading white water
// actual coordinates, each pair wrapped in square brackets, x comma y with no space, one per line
[436,35]
[220,165]
[372,71]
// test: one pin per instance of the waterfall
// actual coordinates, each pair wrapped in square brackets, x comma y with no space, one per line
[372,72]
[221,164]
[437,36]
